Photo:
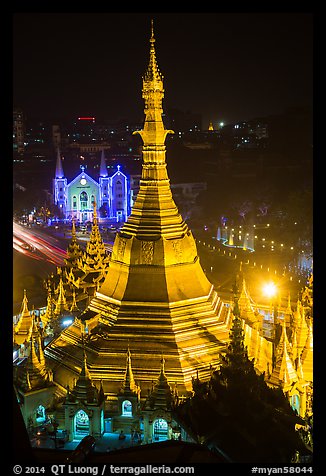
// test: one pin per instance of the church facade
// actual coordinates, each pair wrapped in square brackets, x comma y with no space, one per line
[75,199]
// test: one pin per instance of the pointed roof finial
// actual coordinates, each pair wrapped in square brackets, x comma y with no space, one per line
[153,73]
[94,212]
[59,170]
[73,229]
[103,169]
[152,31]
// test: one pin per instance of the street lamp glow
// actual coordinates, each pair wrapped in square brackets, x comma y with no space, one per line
[270,289]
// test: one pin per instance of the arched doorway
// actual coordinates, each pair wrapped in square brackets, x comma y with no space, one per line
[81,423]
[160,430]
[295,403]
[127,408]
[40,415]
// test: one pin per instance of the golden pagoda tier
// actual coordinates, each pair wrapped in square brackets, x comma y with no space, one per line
[156,299]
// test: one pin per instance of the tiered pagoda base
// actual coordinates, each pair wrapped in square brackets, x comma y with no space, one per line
[190,336]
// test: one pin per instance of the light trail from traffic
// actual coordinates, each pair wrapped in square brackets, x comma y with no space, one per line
[34,245]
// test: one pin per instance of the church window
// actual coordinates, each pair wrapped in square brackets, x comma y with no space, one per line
[92,199]
[83,200]
[74,201]
[126,408]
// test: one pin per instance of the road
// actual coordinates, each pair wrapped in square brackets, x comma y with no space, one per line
[35,245]
[37,254]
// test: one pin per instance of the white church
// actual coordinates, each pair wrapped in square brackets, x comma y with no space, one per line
[75,199]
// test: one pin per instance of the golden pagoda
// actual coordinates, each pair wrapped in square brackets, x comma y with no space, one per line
[23,328]
[155,299]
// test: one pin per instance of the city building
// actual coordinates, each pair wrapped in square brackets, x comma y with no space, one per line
[75,199]
[19,130]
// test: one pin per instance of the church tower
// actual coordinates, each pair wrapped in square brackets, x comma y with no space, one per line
[60,185]
[155,297]
[104,181]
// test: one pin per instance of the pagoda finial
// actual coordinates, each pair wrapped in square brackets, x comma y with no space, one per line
[162,365]
[94,211]
[73,230]
[129,384]
[152,31]
[154,133]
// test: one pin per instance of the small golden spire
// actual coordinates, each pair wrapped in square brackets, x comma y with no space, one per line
[152,31]
[73,230]
[94,211]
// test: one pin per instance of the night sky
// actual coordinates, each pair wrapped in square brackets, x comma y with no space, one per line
[225,66]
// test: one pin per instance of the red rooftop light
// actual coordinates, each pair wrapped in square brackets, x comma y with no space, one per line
[86,118]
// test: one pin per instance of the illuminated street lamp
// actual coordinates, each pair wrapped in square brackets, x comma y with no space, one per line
[270,291]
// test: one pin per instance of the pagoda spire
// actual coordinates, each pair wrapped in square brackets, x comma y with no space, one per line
[284,373]
[247,307]
[74,306]
[283,342]
[154,132]
[48,317]
[301,327]
[59,169]
[35,374]
[84,390]
[24,325]
[294,346]
[299,369]
[73,231]
[161,395]
[74,251]
[61,304]
[35,331]
[307,357]
[95,257]
[154,212]
[129,384]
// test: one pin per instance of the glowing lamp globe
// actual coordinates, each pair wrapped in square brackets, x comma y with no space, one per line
[270,289]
